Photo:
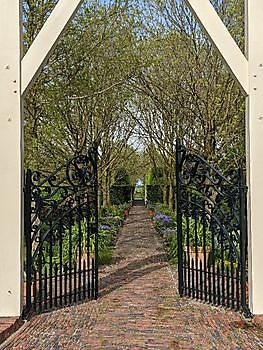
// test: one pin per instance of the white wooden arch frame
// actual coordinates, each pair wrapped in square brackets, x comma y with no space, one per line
[16,76]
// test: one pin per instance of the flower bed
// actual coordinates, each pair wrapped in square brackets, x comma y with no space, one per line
[110,221]
[165,223]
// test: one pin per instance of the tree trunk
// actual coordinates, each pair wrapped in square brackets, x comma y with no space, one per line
[171,195]
[165,194]
[165,189]
[104,191]
[99,195]
[209,141]
[104,197]
[108,189]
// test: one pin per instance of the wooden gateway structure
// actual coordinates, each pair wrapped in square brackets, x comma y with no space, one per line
[17,73]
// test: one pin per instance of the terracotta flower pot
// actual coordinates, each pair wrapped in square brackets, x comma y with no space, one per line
[25,288]
[151,213]
[200,255]
[84,257]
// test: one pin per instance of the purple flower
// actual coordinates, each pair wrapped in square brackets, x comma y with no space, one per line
[163,219]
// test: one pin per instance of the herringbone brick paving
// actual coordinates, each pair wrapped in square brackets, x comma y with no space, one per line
[138,308]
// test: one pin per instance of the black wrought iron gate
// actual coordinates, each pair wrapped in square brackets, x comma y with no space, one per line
[212,235]
[61,235]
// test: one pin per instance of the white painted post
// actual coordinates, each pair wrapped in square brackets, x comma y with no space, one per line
[10,159]
[12,86]
[255,152]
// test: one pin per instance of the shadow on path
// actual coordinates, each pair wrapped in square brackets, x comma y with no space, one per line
[130,272]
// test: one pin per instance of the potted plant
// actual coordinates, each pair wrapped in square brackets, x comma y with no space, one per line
[151,211]
[193,233]
[126,212]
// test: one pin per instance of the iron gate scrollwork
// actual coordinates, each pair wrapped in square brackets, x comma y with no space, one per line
[212,233]
[61,234]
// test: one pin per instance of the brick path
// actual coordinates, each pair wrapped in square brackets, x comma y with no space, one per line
[139,308]
[8,325]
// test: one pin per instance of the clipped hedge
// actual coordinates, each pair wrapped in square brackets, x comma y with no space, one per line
[154,193]
[121,194]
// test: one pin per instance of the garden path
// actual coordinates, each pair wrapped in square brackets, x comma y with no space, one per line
[139,307]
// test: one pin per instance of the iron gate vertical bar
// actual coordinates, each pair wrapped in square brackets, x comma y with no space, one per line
[243,242]
[96,224]
[88,242]
[60,235]
[27,233]
[79,247]
[51,266]
[204,249]
[187,286]
[196,260]
[70,256]
[179,217]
